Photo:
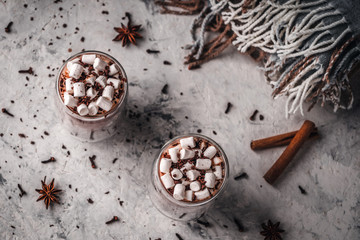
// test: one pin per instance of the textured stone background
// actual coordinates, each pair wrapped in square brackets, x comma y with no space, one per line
[328,169]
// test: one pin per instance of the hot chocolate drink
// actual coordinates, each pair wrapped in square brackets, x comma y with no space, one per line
[188,175]
[92,89]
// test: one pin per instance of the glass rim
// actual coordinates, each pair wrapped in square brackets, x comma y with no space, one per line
[226,176]
[91,118]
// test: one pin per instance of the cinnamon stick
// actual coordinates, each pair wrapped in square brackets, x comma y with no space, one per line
[300,137]
[278,140]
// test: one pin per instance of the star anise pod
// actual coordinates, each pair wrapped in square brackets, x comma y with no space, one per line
[271,231]
[48,193]
[127,34]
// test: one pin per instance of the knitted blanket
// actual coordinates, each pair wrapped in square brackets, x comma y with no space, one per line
[307,48]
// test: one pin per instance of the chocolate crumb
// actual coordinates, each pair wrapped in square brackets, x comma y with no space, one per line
[22,135]
[90,201]
[70,186]
[167,62]
[199,131]
[92,160]
[182,215]
[171,135]
[115,159]
[241,176]
[32,19]
[107,192]
[178,236]
[77,226]
[239,225]
[164,90]
[82,39]
[51,225]
[64,25]
[215,133]
[252,117]
[151,51]
[46,133]
[32,142]
[261,117]
[145,69]
[63,146]
[12,226]
[225,226]
[105,12]
[121,203]
[68,153]
[25,5]
[302,190]
[8,27]
[229,106]
[204,223]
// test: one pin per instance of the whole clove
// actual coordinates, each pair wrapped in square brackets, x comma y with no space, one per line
[114,219]
[28,71]
[51,159]
[22,192]
[7,112]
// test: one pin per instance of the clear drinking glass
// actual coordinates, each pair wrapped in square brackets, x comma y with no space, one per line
[91,128]
[180,210]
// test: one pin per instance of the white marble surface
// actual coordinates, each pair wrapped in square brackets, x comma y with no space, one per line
[328,169]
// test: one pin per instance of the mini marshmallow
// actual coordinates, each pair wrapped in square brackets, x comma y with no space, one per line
[195,186]
[69,100]
[165,164]
[75,70]
[202,194]
[113,69]
[68,65]
[167,181]
[189,195]
[91,93]
[217,160]
[69,85]
[82,109]
[176,174]
[186,154]
[108,92]
[210,180]
[104,103]
[115,82]
[173,152]
[79,89]
[99,64]
[192,174]
[210,152]
[218,172]
[187,142]
[203,164]
[88,58]
[101,80]
[91,80]
[179,192]
[93,109]
[187,166]
[184,182]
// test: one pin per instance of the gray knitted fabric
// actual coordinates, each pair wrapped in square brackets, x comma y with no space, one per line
[311,45]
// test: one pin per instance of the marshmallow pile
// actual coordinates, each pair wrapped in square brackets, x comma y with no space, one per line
[90,85]
[191,170]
